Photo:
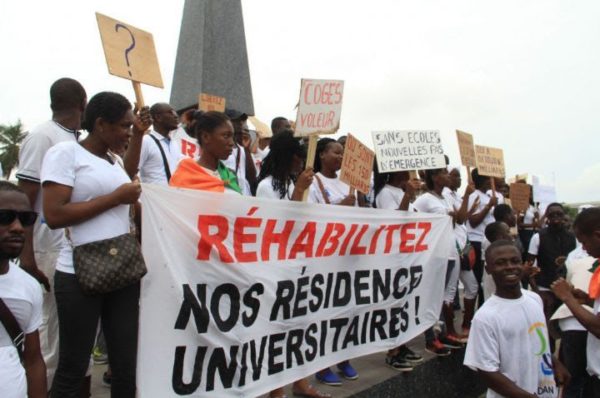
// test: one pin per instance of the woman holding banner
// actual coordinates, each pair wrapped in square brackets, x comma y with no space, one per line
[328,189]
[281,178]
[396,191]
[214,133]
[433,201]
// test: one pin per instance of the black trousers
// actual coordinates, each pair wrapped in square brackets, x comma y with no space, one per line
[478,270]
[78,316]
[573,345]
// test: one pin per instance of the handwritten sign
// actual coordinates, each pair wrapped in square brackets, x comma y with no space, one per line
[357,165]
[208,102]
[408,150]
[465,146]
[129,51]
[490,161]
[320,107]
[519,196]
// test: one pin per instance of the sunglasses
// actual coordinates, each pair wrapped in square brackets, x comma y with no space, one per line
[27,218]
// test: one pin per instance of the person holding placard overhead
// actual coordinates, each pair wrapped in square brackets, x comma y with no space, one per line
[483,203]
[328,189]
[282,178]
[463,246]
[87,191]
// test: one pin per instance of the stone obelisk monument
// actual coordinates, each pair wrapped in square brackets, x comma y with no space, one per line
[212,56]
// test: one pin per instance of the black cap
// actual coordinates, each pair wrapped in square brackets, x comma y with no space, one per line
[234,114]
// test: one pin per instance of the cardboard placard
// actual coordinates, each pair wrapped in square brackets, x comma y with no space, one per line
[208,102]
[129,51]
[408,150]
[466,148]
[490,161]
[357,165]
[320,107]
[519,196]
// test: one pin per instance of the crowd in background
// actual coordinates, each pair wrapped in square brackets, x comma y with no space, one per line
[85,185]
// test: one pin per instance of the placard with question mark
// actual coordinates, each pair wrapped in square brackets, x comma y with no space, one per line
[129,51]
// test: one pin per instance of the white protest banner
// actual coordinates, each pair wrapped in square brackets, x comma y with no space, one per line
[244,295]
[490,161]
[320,107]
[357,165]
[408,150]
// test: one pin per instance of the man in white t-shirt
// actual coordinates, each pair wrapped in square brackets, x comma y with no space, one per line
[587,230]
[22,295]
[508,342]
[160,152]
[240,160]
[42,245]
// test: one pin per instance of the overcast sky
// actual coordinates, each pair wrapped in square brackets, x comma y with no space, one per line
[518,75]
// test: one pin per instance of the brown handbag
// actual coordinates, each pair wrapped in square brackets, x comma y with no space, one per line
[108,265]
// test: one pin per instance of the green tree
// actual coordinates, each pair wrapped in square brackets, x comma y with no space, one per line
[11,137]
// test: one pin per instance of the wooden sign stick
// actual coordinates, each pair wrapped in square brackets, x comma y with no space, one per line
[493,181]
[310,157]
[469,178]
[139,98]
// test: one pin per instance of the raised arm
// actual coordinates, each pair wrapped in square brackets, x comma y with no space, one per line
[141,124]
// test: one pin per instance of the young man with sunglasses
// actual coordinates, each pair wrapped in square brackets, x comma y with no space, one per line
[21,307]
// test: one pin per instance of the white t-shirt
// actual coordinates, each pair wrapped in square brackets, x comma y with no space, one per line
[238,165]
[430,203]
[335,190]
[534,245]
[152,168]
[90,176]
[511,336]
[189,146]
[476,234]
[593,347]
[529,216]
[23,296]
[390,198]
[31,154]
[460,230]
[265,190]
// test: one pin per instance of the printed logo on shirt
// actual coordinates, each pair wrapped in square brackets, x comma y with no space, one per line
[546,383]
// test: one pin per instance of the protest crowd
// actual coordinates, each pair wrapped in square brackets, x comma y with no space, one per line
[516,277]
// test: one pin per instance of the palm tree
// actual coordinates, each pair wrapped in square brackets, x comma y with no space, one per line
[11,137]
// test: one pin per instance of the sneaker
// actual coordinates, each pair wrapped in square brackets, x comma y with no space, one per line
[398,363]
[437,348]
[328,377]
[99,357]
[451,341]
[106,379]
[409,355]
[347,370]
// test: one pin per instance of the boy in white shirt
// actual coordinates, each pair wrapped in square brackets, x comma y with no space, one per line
[508,343]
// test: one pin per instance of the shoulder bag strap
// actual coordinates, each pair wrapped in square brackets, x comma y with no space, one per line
[322,189]
[12,327]
[164,157]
